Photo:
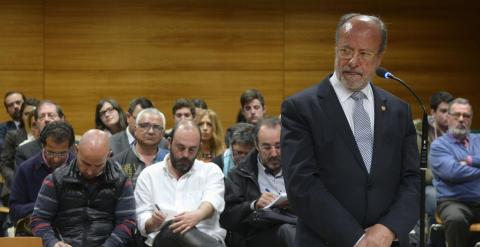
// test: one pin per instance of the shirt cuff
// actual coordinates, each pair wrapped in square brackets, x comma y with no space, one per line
[360,239]
[252,205]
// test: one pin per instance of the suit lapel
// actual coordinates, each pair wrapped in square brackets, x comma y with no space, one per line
[381,109]
[336,116]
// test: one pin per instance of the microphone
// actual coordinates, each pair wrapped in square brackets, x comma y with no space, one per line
[381,72]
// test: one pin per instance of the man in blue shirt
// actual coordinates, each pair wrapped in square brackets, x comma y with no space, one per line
[455,160]
[56,138]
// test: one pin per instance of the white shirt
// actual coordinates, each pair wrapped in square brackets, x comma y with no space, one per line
[343,95]
[130,137]
[203,183]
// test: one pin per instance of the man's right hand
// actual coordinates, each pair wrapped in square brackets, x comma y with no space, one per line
[61,244]
[265,199]
[155,221]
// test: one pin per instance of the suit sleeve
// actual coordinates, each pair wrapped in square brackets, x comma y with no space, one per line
[7,157]
[20,156]
[316,207]
[19,202]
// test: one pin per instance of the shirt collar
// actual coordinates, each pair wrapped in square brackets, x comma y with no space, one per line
[344,93]
[130,137]
[457,141]
[167,172]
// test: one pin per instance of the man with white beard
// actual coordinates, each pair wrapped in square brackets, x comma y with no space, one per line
[455,160]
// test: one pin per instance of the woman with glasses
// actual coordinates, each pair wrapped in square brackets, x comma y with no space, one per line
[212,139]
[109,116]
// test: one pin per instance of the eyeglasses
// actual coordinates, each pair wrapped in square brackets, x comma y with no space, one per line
[49,115]
[457,115]
[108,110]
[52,155]
[147,126]
[347,53]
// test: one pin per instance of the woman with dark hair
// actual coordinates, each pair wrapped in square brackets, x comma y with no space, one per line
[212,140]
[109,116]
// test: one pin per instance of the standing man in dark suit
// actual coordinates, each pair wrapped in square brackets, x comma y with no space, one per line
[349,149]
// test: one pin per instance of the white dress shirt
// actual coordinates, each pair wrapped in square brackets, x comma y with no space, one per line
[130,137]
[343,95]
[203,183]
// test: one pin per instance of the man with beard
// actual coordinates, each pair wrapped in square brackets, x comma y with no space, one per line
[179,200]
[12,101]
[253,185]
[455,160]
[349,151]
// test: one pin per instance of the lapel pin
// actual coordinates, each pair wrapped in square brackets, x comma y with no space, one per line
[383,108]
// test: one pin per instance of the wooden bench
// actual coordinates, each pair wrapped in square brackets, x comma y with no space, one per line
[21,242]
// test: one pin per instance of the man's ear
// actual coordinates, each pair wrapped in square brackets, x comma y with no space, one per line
[76,148]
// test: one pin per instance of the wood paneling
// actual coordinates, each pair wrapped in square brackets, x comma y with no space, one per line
[145,34]
[162,87]
[21,34]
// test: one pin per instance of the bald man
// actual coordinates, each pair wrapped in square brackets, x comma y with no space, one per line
[88,202]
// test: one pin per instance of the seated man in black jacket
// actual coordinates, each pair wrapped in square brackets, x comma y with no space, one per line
[88,202]
[254,185]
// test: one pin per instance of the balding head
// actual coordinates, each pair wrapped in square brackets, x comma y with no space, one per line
[366,21]
[93,151]
[187,125]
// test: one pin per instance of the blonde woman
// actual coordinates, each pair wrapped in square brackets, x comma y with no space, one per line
[212,139]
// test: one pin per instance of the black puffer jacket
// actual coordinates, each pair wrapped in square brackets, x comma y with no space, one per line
[241,189]
[87,212]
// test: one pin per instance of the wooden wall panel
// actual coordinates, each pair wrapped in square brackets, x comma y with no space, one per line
[162,87]
[21,34]
[144,34]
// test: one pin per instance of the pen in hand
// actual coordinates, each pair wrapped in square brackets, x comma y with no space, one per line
[60,236]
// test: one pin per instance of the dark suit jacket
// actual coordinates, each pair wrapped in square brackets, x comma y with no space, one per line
[327,183]
[119,142]
[7,157]
[4,128]
[26,151]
